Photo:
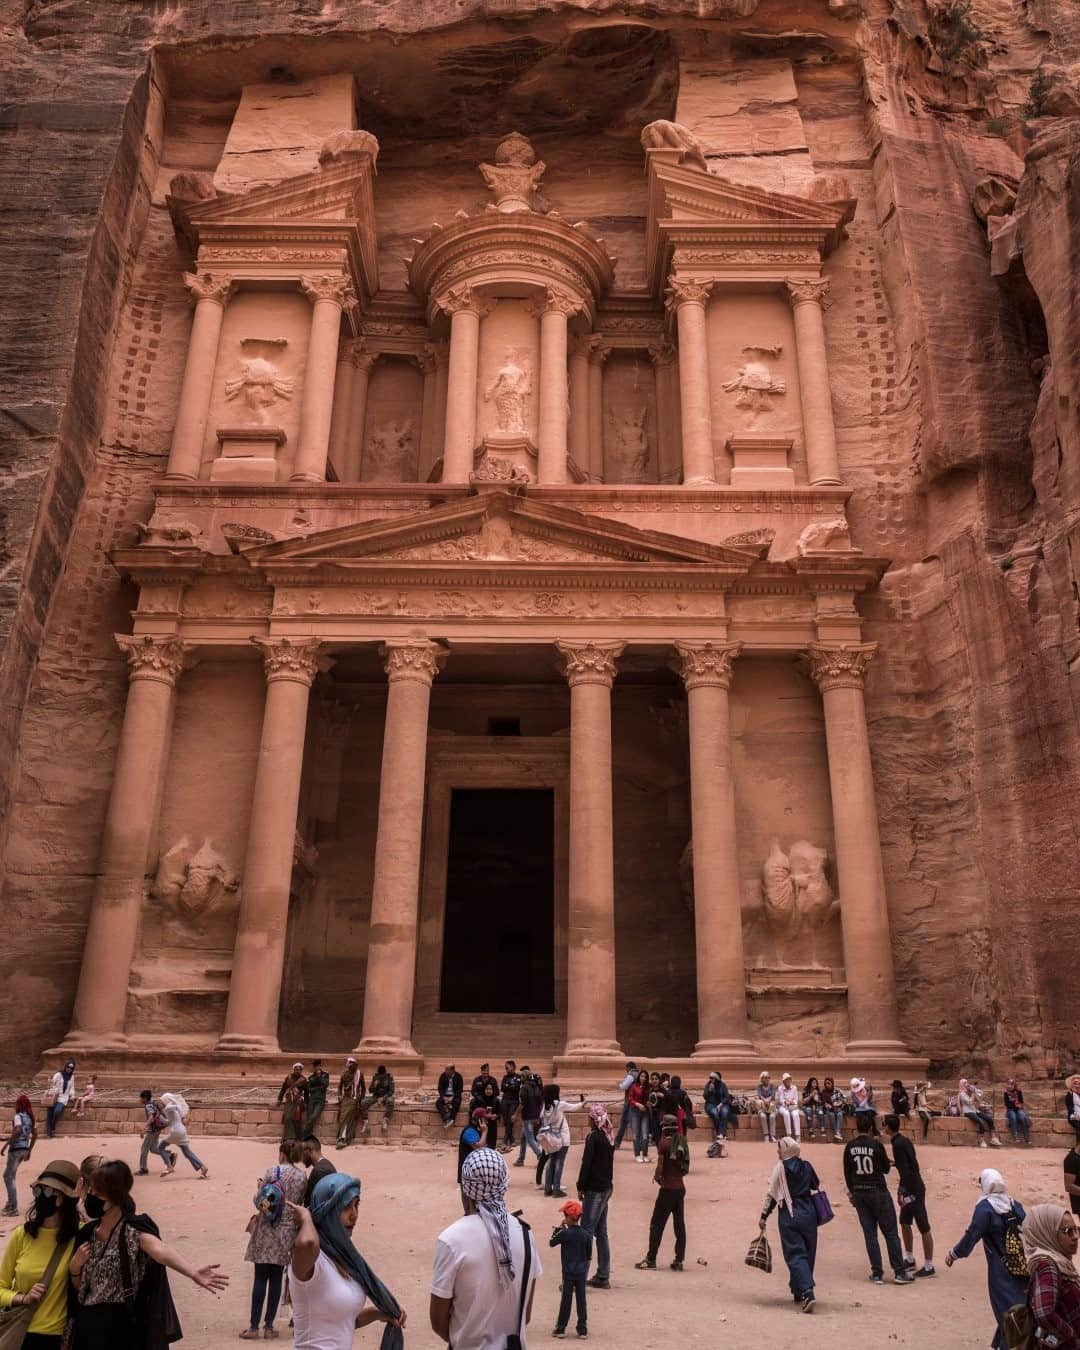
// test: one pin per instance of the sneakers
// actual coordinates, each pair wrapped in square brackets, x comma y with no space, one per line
[597,1283]
[909,1263]
[583,1335]
[876,1279]
[142,1171]
[676,1265]
[645,1265]
[995,1142]
[559,1194]
[559,1333]
[983,1143]
[902,1277]
[839,1138]
[808,1303]
[520,1163]
[9,1211]
[925,1273]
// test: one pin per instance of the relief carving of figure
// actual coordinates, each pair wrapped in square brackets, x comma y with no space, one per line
[510,390]
[631,446]
[164,532]
[796,890]
[191,882]
[388,451]
[754,386]
[824,536]
[260,384]
[498,469]
[663,135]
[515,175]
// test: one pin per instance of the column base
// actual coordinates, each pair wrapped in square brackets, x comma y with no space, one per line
[589,1049]
[86,1042]
[700,482]
[727,1050]
[238,1043]
[174,477]
[386,1047]
[825,482]
[307,478]
[877,1049]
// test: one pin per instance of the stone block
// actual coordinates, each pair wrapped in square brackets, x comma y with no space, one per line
[220,1128]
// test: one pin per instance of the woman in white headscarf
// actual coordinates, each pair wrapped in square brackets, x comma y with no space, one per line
[791,1185]
[995,1221]
[1050,1235]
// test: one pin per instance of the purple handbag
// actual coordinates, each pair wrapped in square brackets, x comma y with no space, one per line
[822,1208]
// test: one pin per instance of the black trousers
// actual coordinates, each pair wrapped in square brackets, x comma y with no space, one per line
[448,1109]
[267,1286]
[668,1203]
[876,1210]
[508,1110]
[573,1287]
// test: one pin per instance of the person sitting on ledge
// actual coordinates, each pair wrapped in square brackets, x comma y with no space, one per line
[380,1089]
[974,1107]
[862,1103]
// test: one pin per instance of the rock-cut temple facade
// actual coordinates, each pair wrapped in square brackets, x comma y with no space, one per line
[504,609]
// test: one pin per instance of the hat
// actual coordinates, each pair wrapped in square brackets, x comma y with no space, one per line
[351,1059]
[572,1209]
[715,1075]
[61,1176]
[783,1076]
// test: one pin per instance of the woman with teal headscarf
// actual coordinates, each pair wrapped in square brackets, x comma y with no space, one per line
[333,1288]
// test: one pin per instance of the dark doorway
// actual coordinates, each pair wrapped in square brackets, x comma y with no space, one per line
[499,936]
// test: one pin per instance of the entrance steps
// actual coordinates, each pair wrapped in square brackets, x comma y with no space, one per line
[534,1039]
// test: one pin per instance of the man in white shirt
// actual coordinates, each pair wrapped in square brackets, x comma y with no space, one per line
[476,1282]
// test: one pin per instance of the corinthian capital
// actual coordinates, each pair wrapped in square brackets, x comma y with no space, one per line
[590,662]
[597,348]
[706,663]
[333,286]
[554,302]
[152,658]
[682,291]
[215,286]
[464,297]
[662,354]
[839,667]
[808,292]
[412,659]
[291,658]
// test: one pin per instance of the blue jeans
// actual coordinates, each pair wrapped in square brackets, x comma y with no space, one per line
[553,1174]
[594,1220]
[835,1121]
[982,1120]
[1018,1118]
[811,1113]
[528,1139]
[152,1143]
[640,1132]
[719,1115]
[52,1118]
[185,1149]
[798,1241]
[15,1158]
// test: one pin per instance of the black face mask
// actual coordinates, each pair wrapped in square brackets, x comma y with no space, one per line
[45,1207]
[94,1206]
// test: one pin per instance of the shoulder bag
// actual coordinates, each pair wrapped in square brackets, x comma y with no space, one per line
[822,1208]
[515,1342]
[14,1321]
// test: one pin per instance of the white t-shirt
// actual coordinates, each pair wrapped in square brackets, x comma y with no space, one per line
[483,1314]
[325,1308]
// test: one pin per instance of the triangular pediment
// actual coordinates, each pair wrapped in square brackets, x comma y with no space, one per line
[689,194]
[498,528]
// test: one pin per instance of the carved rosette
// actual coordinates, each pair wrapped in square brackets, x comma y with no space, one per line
[415,659]
[335,287]
[590,662]
[808,292]
[839,667]
[465,297]
[152,658]
[290,658]
[213,286]
[706,663]
[683,291]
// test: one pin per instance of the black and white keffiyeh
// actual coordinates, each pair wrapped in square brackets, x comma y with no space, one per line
[484,1181]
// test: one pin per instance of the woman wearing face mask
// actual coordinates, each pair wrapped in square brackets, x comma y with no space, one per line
[34,1268]
[87,1168]
[121,1253]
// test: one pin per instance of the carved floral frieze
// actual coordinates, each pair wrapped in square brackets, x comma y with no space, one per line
[496,603]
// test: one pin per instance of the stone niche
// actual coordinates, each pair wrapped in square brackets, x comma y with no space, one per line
[630,411]
[391,442]
[509,365]
[258,385]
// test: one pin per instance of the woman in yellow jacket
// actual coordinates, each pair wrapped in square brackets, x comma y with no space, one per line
[52,1222]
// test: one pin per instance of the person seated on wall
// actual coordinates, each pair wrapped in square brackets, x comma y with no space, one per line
[974,1107]
[862,1103]
[1072,1104]
[901,1102]
[924,1107]
[1016,1116]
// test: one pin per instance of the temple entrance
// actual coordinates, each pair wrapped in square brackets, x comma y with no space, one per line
[499,931]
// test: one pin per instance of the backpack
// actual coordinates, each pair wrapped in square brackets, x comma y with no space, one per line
[175,1099]
[680,1152]
[1019,1327]
[1012,1250]
[272,1195]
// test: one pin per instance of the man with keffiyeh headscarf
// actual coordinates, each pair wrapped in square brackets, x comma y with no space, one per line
[333,1289]
[476,1282]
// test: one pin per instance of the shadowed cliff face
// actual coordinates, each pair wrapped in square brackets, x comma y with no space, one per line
[958,430]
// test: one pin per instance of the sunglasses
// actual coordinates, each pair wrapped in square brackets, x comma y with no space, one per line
[1069,1232]
[38,1190]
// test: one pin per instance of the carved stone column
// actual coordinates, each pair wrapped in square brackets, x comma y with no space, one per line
[429,412]
[411,667]
[688,299]
[466,309]
[579,403]
[154,666]
[590,976]
[551,438]
[363,364]
[819,431]
[442,378]
[329,295]
[599,352]
[872,1020]
[706,670]
[340,420]
[211,291]
[259,950]
[667,413]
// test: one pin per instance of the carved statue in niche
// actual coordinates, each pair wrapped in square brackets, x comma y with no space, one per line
[258,381]
[190,882]
[799,901]
[158,533]
[754,386]
[824,536]
[498,469]
[663,135]
[388,451]
[631,447]
[515,175]
[510,390]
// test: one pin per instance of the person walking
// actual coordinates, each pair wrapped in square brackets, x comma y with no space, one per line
[1016,1118]
[791,1186]
[866,1165]
[350,1094]
[509,1101]
[594,1186]
[625,1084]
[448,1095]
[333,1289]
[292,1098]
[60,1091]
[672,1165]
[813,1107]
[380,1089]
[121,1251]
[532,1101]
[717,1107]
[766,1107]
[974,1107]
[787,1106]
[311,1157]
[832,1102]
[152,1141]
[638,1100]
[911,1199]
[318,1089]
[575,1244]
[174,1109]
[996,1223]
[555,1126]
[34,1266]
[18,1146]
[1050,1234]
[273,1230]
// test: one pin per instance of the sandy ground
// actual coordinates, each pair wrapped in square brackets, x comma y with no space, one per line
[409,1195]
